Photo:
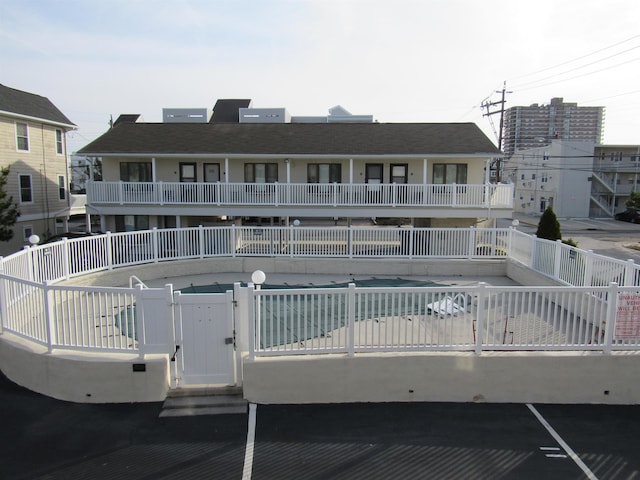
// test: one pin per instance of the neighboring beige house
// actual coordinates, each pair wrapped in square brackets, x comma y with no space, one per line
[33,145]
[274,169]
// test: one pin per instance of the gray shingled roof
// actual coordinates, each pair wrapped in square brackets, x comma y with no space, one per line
[31,105]
[293,139]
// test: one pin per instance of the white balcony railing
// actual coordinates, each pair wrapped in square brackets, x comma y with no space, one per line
[300,194]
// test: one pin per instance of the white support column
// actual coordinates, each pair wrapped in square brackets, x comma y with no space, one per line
[226,170]
[153,169]
[425,173]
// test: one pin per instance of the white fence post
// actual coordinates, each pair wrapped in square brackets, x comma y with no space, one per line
[234,245]
[50,316]
[480,310]
[251,316]
[3,297]
[109,250]
[154,244]
[472,242]
[612,309]
[65,258]
[557,258]
[588,269]
[351,319]
[291,253]
[201,240]
[629,270]
[140,321]
[412,233]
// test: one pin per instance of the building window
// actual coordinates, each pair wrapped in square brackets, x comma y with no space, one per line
[324,173]
[59,146]
[62,191]
[447,173]
[188,172]
[135,172]
[260,172]
[22,136]
[26,191]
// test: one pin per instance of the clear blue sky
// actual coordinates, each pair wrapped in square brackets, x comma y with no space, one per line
[400,60]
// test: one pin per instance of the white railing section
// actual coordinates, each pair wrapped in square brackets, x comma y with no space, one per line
[322,320]
[93,318]
[352,320]
[69,258]
[301,194]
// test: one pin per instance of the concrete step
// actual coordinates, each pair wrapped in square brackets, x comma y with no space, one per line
[203,404]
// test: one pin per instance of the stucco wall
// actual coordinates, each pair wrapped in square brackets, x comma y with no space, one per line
[84,378]
[545,377]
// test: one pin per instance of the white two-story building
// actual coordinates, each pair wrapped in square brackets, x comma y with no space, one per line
[181,174]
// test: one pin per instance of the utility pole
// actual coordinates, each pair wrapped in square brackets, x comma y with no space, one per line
[486,104]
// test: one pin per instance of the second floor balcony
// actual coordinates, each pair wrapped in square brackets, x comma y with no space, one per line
[326,197]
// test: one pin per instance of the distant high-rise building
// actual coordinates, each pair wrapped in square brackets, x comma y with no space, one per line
[537,125]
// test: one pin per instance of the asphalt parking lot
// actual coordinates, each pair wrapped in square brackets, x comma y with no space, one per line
[48,439]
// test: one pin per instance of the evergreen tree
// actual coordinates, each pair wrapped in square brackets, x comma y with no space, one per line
[549,227]
[634,201]
[8,210]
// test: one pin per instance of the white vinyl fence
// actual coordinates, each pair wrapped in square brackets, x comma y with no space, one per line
[364,319]
[597,310]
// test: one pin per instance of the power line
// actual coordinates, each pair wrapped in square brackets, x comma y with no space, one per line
[579,76]
[577,68]
[575,59]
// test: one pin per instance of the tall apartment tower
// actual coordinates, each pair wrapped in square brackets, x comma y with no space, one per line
[537,125]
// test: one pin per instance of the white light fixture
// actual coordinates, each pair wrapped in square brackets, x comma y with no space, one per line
[34,240]
[515,222]
[296,223]
[258,277]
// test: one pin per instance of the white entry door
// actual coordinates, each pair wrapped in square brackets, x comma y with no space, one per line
[204,339]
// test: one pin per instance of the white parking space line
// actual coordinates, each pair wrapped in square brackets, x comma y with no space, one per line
[562,443]
[251,436]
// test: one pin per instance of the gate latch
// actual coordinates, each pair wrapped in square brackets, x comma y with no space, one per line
[173,358]
[228,340]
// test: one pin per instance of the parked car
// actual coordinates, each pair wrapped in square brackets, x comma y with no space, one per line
[69,235]
[632,216]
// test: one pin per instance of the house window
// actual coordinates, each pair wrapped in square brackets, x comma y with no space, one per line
[399,173]
[324,173]
[59,149]
[260,172]
[62,191]
[22,136]
[26,191]
[446,173]
[188,172]
[135,172]
[131,223]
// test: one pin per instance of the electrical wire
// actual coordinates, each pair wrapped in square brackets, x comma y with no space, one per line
[574,59]
[519,87]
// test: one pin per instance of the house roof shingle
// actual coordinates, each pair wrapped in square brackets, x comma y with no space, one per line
[31,105]
[293,139]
